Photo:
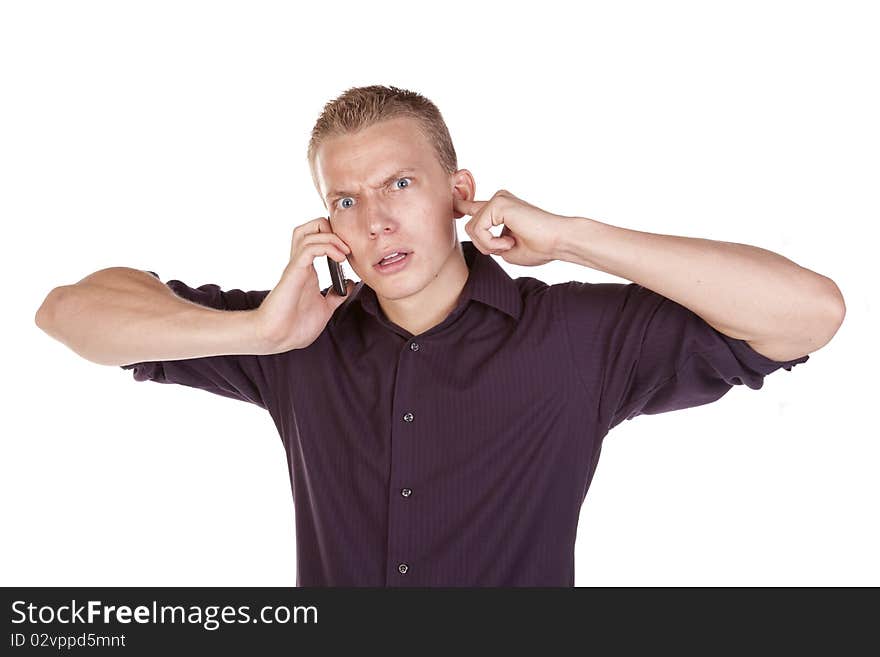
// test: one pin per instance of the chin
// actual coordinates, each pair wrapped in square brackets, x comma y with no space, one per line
[398,288]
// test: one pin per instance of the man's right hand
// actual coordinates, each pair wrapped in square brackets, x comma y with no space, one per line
[295,312]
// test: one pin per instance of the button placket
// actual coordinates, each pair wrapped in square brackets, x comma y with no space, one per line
[409,416]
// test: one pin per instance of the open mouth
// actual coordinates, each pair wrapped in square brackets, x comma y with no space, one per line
[393,263]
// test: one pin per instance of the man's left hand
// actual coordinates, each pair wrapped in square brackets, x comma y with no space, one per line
[530,236]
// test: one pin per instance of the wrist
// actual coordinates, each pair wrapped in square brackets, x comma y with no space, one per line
[252,325]
[575,239]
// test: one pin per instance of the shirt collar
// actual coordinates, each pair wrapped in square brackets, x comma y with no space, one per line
[487,282]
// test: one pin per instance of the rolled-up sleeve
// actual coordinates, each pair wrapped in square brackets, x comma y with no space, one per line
[238,376]
[647,354]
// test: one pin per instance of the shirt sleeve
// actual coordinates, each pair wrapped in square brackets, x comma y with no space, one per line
[647,354]
[237,376]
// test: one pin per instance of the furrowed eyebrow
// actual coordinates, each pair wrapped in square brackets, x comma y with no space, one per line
[336,194]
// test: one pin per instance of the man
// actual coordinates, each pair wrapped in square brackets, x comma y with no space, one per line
[442,422]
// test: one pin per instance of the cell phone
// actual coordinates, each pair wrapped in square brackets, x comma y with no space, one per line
[337,276]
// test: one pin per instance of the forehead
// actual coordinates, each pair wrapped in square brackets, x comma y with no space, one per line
[348,161]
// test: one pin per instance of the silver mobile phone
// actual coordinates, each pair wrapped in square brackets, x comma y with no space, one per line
[337,276]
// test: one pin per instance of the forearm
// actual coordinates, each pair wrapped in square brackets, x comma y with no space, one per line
[120,315]
[742,291]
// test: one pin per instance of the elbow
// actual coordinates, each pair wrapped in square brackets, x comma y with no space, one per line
[47,310]
[837,304]
[833,317]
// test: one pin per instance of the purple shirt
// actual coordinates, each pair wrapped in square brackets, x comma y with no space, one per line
[461,456]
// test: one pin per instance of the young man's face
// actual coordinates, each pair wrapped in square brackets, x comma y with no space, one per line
[384,188]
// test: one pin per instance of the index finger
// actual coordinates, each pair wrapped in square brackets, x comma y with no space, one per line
[318,225]
[467,207]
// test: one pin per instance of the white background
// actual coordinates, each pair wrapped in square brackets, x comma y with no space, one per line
[172,136]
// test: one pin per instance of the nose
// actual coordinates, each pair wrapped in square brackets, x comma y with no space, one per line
[379,220]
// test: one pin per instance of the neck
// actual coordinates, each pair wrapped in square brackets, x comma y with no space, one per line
[432,304]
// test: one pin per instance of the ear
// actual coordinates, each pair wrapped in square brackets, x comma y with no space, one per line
[464,187]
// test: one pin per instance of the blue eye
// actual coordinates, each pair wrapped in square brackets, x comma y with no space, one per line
[396,181]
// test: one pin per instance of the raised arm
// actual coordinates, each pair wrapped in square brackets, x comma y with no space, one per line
[121,315]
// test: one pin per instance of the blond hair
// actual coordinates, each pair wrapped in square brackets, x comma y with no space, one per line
[361,107]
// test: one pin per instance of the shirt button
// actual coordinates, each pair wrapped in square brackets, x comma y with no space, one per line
[406,492]
[414,346]
[408,417]
[402,568]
